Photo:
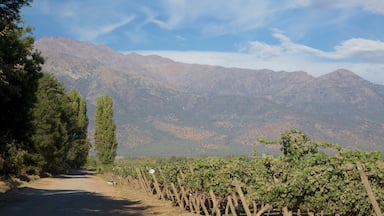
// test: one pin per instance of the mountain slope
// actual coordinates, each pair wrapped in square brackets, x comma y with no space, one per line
[167,108]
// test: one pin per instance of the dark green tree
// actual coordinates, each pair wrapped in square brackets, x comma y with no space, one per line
[105,130]
[20,68]
[51,122]
[79,144]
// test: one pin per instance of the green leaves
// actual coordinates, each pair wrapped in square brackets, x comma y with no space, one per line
[39,129]
[305,178]
[60,127]
[105,130]
[79,143]
[20,68]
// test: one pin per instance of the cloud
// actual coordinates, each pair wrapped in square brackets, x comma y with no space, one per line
[362,56]
[360,49]
[90,33]
[318,36]
[214,16]
[233,16]
[85,20]
[373,6]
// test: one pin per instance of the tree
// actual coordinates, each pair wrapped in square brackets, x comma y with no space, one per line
[60,128]
[79,143]
[105,135]
[20,68]
[51,120]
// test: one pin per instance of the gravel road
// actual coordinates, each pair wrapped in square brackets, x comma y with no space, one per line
[78,193]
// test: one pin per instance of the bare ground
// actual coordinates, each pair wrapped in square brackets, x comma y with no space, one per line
[81,193]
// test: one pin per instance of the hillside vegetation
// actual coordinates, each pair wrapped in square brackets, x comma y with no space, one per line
[166,108]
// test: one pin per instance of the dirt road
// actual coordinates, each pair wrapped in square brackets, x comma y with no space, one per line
[81,193]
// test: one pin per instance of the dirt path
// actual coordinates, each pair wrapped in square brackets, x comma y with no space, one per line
[81,193]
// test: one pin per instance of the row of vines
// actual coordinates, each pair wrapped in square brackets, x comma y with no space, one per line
[307,178]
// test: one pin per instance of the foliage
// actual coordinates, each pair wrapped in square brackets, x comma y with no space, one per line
[60,127]
[10,11]
[79,143]
[302,177]
[42,129]
[20,68]
[105,130]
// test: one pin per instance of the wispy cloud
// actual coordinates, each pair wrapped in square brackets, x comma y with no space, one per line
[374,6]
[86,20]
[317,36]
[90,33]
[353,49]
[214,16]
[233,16]
[362,56]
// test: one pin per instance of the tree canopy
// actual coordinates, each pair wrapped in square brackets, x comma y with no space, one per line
[105,130]
[20,69]
[60,127]
[42,128]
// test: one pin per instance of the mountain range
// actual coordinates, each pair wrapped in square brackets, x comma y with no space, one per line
[168,108]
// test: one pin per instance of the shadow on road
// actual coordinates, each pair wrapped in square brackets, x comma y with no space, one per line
[77,173]
[29,201]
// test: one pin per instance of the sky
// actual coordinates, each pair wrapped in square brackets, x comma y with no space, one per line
[315,36]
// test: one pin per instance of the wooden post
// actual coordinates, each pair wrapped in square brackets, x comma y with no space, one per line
[190,203]
[235,200]
[202,204]
[254,205]
[368,188]
[226,212]
[168,193]
[146,181]
[183,195]
[215,204]
[177,196]
[264,209]
[157,187]
[141,181]
[286,212]
[310,213]
[242,198]
[230,206]
[195,203]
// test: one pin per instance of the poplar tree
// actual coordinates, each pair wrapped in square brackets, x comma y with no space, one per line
[105,130]
[79,144]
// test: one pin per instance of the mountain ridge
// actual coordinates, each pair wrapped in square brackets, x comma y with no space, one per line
[166,108]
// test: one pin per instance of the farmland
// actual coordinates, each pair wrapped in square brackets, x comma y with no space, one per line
[303,179]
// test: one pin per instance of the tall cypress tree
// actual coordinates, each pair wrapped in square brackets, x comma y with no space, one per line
[79,144]
[105,130]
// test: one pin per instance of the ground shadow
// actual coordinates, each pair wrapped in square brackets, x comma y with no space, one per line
[30,201]
[77,173]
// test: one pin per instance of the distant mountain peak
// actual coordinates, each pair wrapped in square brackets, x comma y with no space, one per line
[170,108]
[82,49]
[340,74]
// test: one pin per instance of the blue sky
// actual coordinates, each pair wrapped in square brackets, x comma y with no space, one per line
[316,36]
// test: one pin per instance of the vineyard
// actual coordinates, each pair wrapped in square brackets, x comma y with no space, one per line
[307,178]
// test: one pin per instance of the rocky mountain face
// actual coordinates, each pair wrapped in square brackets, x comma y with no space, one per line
[166,108]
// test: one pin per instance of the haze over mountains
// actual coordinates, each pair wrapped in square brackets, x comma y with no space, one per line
[166,108]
